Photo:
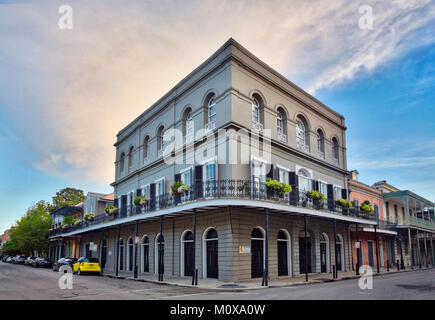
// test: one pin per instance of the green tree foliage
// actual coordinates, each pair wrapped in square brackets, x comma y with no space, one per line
[67,197]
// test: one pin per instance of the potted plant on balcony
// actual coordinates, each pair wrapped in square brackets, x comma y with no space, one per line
[278,187]
[317,198]
[111,210]
[77,222]
[89,217]
[67,222]
[366,207]
[140,201]
[344,204]
[174,188]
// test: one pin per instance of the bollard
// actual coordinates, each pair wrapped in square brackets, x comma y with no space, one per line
[388,265]
[398,265]
[333,272]
[357,269]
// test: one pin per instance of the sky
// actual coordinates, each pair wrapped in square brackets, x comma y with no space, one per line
[64,94]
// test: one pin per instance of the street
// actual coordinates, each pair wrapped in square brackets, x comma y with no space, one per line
[20,282]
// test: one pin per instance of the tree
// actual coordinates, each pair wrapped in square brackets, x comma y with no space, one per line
[67,197]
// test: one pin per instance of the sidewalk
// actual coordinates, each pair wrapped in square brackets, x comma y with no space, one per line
[212,284]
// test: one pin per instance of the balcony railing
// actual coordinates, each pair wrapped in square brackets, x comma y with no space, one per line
[257,126]
[418,222]
[226,189]
[282,137]
[301,145]
[210,126]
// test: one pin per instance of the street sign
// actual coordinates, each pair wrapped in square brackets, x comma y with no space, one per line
[244,249]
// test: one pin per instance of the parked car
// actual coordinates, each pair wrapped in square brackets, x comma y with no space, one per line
[20,259]
[29,261]
[87,265]
[5,258]
[11,259]
[41,262]
[63,261]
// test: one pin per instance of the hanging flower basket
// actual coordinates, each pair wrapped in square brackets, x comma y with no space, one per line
[111,210]
[89,217]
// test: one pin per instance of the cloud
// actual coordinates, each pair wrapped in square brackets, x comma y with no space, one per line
[72,91]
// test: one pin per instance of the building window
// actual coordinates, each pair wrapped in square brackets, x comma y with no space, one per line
[130,158]
[257,106]
[255,111]
[283,175]
[335,151]
[302,134]
[121,162]
[281,125]
[304,177]
[160,142]
[212,110]
[396,215]
[146,149]
[145,254]
[320,144]
[387,210]
[186,177]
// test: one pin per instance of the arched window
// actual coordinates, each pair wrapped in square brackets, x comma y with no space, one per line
[283,244]
[121,254]
[187,251]
[307,252]
[304,178]
[121,162]
[281,121]
[302,134]
[255,111]
[339,248]
[210,254]
[188,126]
[324,253]
[145,252]
[212,110]
[130,158]
[159,253]
[160,143]
[130,257]
[335,151]
[257,252]
[146,149]
[320,144]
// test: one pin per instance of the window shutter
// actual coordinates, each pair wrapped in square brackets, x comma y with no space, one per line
[344,193]
[177,177]
[294,182]
[123,205]
[198,181]
[115,202]
[152,196]
[315,185]
[269,175]
[293,179]
[139,192]
[330,197]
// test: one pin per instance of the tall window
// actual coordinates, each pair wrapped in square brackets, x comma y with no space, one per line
[130,158]
[255,111]
[160,143]
[146,148]
[189,124]
[186,177]
[335,150]
[320,144]
[121,162]
[302,134]
[212,110]
[279,122]
[304,180]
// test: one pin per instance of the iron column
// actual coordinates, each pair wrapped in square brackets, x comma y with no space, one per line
[377,251]
[101,250]
[160,250]
[266,260]
[425,250]
[418,248]
[306,247]
[411,250]
[335,249]
[117,250]
[357,249]
[431,247]
[135,251]
[194,247]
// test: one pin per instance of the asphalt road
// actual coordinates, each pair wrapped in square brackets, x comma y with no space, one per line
[20,282]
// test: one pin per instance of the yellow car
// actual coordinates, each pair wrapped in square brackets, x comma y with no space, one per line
[87,265]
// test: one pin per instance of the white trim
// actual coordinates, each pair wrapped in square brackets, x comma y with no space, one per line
[254,158]
[204,250]
[186,169]
[209,160]
[182,241]
[298,167]
[280,167]
[128,257]
[142,253]
[341,243]
[380,231]
[264,244]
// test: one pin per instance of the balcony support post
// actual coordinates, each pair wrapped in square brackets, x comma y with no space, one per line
[117,250]
[194,281]
[377,250]
[425,250]
[418,249]
[431,247]
[101,250]
[411,250]
[160,265]
[135,249]
[306,246]
[357,249]
[265,281]
[335,275]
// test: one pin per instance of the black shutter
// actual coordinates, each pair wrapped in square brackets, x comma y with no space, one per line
[138,194]
[123,205]
[152,196]
[177,198]
[294,182]
[198,182]
[177,177]
[344,193]
[269,174]
[115,203]
[330,197]
[315,185]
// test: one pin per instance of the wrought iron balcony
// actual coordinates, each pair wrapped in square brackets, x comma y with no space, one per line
[257,126]
[282,137]
[210,126]
[226,189]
